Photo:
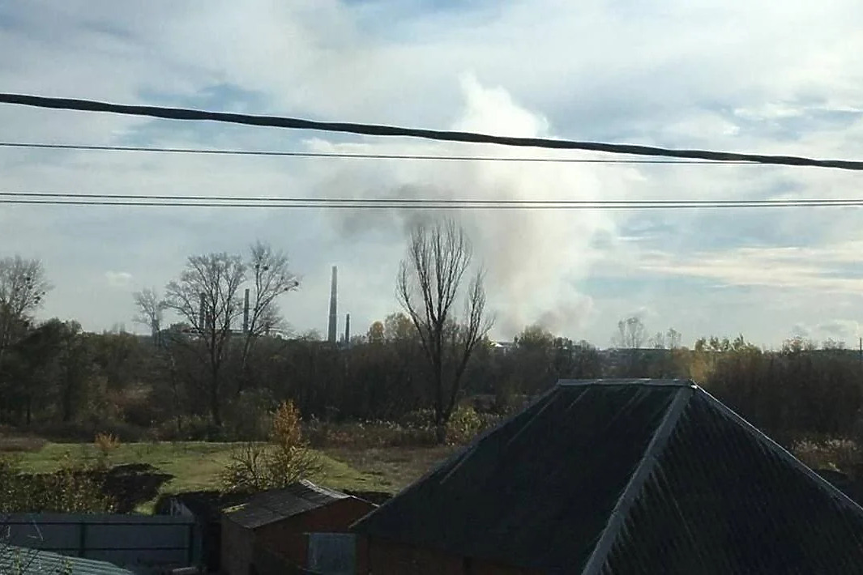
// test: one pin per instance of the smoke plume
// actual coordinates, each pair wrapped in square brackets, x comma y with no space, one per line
[535,259]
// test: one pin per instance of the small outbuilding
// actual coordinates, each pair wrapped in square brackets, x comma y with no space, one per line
[621,476]
[272,530]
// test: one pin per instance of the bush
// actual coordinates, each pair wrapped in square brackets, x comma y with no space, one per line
[837,454]
[368,434]
[73,489]
[418,419]
[10,465]
[284,460]
[463,425]
[466,423]
[249,416]
[105,443]
[21,443]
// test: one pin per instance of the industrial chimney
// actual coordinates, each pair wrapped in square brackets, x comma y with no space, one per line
[202,313]
[347,330]
[333,326]
[246,312]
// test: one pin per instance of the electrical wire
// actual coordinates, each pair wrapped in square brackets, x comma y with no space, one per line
[276,153]
[438,135]
[131,200]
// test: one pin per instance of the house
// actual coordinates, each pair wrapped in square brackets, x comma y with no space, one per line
[278,527]
[22,561]
[617,476]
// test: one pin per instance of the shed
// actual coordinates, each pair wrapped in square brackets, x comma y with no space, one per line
[276,524]
[618,476]
[23,561]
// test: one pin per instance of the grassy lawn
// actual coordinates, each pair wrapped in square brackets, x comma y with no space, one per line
[196,465]
[392,468]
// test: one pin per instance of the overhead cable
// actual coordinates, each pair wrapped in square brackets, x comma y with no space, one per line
[279,153]
[131,200]
[439,135]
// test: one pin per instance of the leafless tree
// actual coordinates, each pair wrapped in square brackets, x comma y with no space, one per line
[272,278]
[438,258]
[150,311]
[22,290]
[206,297]
[673,338]
[630,333]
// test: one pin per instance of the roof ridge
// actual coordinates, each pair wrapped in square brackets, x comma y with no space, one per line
[786,455]
[639,476]
[323,490]
[634,381]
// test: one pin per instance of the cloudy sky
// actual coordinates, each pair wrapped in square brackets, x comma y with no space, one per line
[769,77]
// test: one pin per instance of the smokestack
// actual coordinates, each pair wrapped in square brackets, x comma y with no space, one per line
[347,329]
[246,312]
[331,330]
[202,313]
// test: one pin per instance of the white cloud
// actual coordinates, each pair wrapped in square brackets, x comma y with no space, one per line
[823,268]
[118,279]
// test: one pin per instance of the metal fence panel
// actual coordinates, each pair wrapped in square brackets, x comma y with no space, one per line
[332,553]
[144,544]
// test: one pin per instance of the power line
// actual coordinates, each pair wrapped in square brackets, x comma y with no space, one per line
[277,153]
[439,135]
[344,200]
[129,200]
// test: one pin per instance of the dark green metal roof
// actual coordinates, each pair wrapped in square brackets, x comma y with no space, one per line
[629,476]
[22,561]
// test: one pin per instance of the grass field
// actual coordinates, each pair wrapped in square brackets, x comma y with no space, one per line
[391,468]
[196,465]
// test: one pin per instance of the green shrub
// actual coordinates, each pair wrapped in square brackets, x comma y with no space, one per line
[418,419]
[249,416]
[75,488]
[367,434]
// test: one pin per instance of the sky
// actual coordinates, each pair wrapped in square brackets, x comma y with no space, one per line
[765,77]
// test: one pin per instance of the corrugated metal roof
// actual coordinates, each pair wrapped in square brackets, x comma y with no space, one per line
[277,504]
[629,476]
[22,561]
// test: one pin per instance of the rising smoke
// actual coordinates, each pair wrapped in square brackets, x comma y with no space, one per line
[535,260]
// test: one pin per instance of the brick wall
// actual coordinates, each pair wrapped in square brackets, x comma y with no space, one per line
[288,537]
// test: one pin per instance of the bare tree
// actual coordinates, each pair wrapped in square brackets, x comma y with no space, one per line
[438,258]
[150,311]
[630,333]
[272,278]
[206,297]
[674,338]
[22,291]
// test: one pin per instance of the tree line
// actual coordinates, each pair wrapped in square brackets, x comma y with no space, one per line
[229,361]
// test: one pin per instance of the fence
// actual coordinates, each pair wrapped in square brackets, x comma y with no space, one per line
[332,553]
[143,544]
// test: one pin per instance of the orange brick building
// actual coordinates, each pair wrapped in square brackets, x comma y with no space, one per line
[276,525]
